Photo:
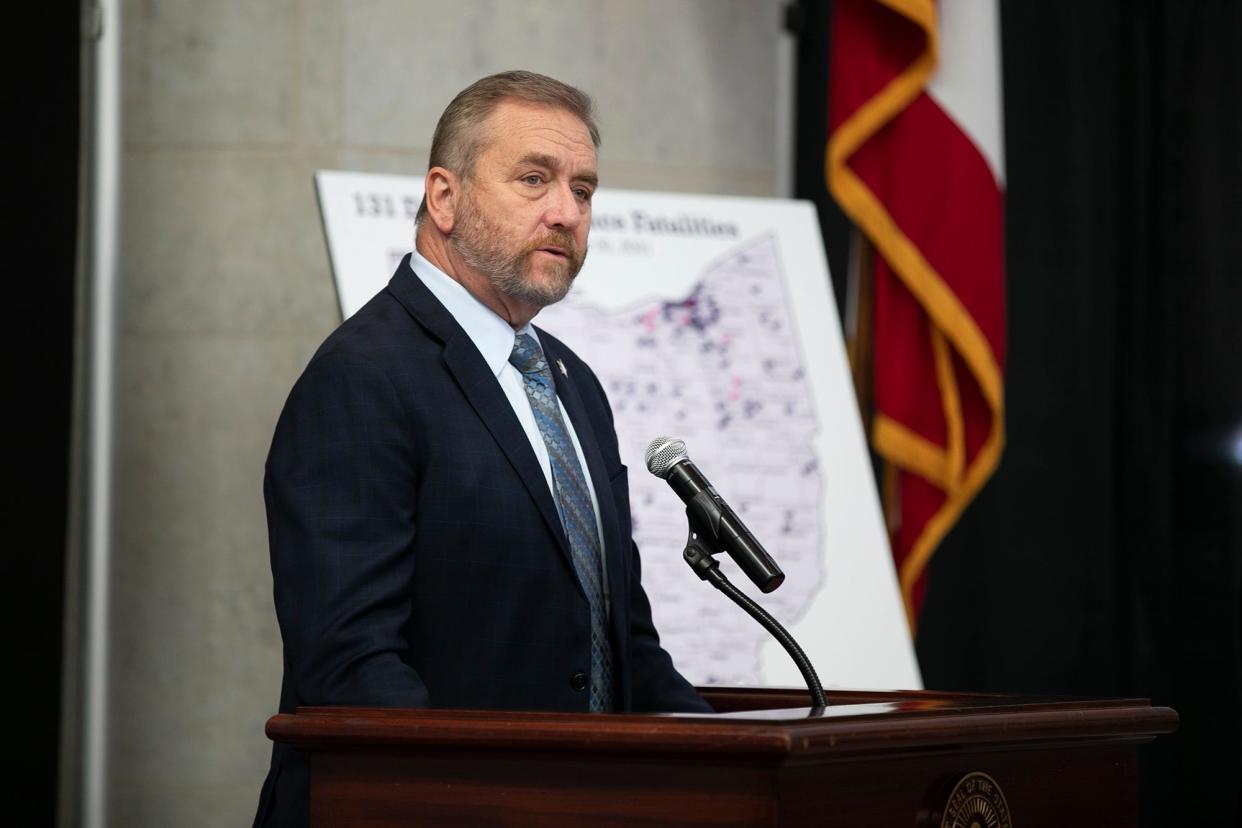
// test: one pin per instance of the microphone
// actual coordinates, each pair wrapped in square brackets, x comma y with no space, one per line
[710,517]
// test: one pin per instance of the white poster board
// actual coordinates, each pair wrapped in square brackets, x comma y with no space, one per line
[710,319]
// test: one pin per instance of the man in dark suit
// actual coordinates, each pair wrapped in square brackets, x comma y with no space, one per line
[448,514]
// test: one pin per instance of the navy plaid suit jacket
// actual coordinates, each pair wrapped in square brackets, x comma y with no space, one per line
[417,554]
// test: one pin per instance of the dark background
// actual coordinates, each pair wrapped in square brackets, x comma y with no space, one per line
[40,149]
[1105,556]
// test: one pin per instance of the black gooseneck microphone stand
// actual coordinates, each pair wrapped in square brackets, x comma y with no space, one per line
[701,559]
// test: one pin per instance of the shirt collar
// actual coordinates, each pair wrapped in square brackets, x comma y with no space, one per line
[491,334]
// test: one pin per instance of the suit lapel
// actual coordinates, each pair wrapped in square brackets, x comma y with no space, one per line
[481,389]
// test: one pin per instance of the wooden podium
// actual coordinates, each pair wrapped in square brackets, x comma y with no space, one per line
[869,759]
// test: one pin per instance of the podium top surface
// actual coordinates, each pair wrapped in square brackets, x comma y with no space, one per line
[754,723]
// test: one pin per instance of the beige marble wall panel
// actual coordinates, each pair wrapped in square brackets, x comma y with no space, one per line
[690,83]
[319,49]
[214,72]
[678,83]
[681,179]
[392,160]
[200,803]
[224,241]
[196,659]
[401,68]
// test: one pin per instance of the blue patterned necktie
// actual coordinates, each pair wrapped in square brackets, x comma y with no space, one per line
[573,502]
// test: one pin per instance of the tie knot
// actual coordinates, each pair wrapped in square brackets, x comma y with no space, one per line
[527,356]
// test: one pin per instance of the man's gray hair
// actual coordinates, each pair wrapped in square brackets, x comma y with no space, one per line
[460,135]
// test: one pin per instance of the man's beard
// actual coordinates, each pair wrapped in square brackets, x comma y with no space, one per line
[482,246]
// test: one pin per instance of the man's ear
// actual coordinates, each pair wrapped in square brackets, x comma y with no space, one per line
[441,190]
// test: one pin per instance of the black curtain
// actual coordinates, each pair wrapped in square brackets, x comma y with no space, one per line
[41,152]
[1105,556]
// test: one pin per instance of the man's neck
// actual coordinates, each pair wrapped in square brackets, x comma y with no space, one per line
[439,251]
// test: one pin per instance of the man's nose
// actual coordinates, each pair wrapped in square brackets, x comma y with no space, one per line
[563,208]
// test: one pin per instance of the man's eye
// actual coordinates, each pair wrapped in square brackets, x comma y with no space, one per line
[582,193]
[533,178]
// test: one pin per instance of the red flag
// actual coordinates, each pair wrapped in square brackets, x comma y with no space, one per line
[915,161]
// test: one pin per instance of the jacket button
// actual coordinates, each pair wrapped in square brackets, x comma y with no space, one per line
[578,681]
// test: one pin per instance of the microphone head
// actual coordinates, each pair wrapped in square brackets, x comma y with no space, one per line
[663,453]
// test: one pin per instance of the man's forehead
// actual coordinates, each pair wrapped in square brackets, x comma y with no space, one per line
[515,108]
[522,128]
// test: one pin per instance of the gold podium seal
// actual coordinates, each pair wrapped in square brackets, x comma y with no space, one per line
[976,802]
